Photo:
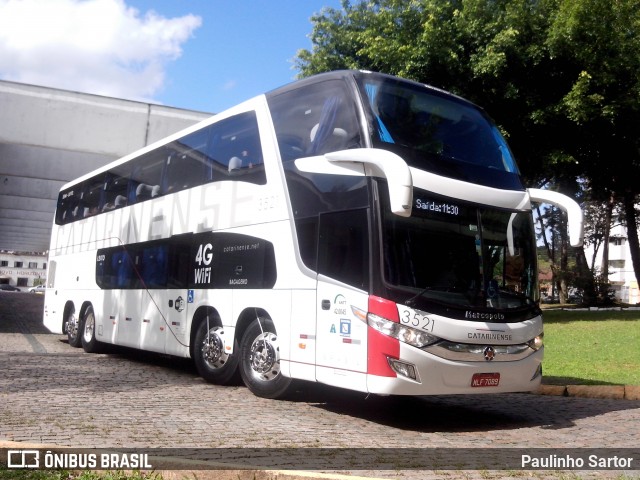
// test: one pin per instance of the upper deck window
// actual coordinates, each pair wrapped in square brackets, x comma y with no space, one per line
[226,150]
[437,132]
[315,119]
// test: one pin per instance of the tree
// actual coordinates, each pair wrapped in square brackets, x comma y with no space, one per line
[560,77]
[491,52]
[598,43]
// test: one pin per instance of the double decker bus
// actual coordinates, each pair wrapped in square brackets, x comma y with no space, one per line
[353,229]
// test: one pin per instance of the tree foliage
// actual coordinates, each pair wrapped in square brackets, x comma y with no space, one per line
[560,77]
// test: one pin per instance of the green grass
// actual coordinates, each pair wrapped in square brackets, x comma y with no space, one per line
[6,474]
[591,348]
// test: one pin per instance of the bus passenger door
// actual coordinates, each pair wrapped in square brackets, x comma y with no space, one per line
[342,299]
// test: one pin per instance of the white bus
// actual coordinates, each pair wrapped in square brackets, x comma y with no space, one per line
[352,228]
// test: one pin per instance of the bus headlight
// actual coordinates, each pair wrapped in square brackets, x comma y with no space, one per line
[405,334]
[537,343]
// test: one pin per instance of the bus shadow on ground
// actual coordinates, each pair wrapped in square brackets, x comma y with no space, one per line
[463,413]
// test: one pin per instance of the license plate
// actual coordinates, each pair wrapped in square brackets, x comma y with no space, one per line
[485,380]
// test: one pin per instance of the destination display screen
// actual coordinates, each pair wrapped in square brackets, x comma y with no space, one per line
[427,206]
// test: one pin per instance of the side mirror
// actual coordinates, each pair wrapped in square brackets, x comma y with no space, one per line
[368,162]
[575,219]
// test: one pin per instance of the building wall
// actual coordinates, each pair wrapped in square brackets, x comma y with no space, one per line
[23,270]
[49,137]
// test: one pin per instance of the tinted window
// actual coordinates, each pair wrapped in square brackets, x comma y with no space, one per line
[187,162]
[455,254]
[226,150]
[206,260]
[434,131]
[312,120]
[68,208]
[146,176]
[116,193]
[236,151]
[343,249]
[315,119]
[114,268]
[230,260]
[91,197]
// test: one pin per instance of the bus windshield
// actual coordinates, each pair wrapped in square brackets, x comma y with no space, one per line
[436,132]
[459,255]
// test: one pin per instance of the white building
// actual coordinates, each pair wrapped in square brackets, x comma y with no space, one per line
[23,270]
[621,274]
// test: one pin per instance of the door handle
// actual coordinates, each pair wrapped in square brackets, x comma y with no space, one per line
[326,304]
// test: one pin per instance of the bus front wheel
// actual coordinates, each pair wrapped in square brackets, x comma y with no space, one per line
[214,364]
[260,360]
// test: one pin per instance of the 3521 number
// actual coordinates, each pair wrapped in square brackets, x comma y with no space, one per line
[415,319]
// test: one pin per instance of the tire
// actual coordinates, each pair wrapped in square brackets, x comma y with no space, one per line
[89,342]
[260,360]
[212,362]
[73,329]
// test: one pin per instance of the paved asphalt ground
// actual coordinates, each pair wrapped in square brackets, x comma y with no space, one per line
[53,394]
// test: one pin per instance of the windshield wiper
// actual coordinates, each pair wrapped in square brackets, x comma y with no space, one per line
[523,296]
[442,288]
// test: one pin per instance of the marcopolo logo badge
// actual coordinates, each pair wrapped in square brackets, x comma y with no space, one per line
[489,354]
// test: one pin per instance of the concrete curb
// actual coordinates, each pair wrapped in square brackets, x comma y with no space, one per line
[616,392]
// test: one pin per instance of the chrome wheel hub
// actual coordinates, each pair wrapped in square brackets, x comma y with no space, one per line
[265,356]
[89,326]
[72,325]
[213,351]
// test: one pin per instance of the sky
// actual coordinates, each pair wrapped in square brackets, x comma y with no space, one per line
[205,55]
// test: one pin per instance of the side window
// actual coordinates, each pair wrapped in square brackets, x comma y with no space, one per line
[146,177]
[151,262]
[179,263]
[115,268]
[343,247]
[155,264]
[235,149]
[312,120]
[228,149]
[68,208]
[188,164]
[116,189]
[315,119]
[92,197]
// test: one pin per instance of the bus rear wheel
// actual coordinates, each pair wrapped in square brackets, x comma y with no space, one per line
[89,342]
[212,361]
[73,328]
[260,360]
